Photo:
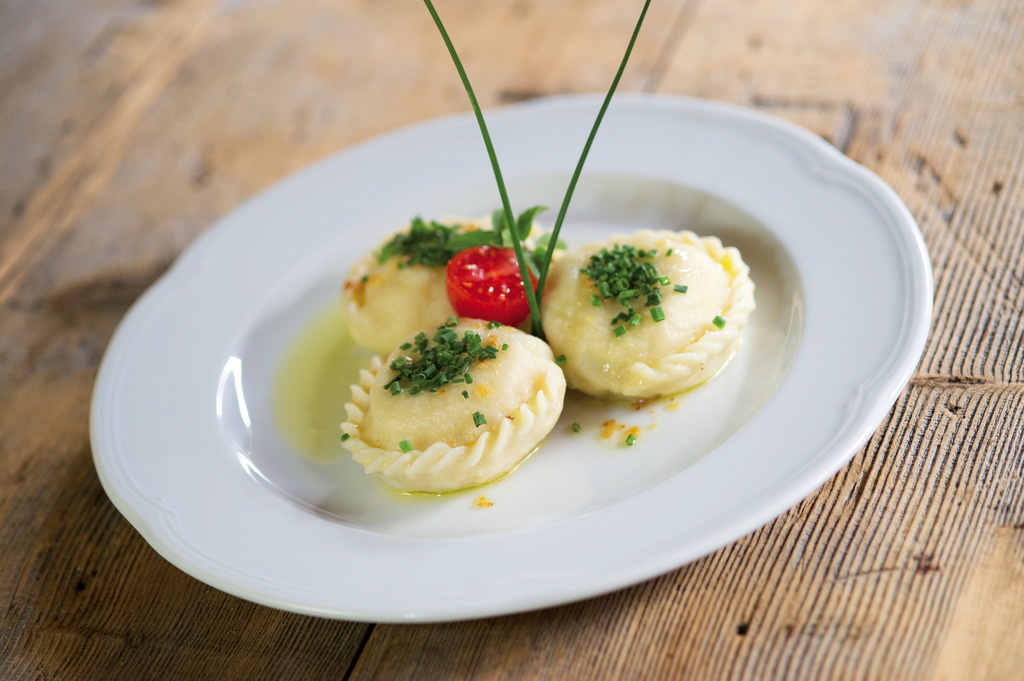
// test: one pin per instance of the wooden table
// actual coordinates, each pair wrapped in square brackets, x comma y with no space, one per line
[127,127]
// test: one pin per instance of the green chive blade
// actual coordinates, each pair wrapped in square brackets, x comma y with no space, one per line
[542,280]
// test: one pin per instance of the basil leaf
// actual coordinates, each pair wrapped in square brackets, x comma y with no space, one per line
[531,263]
[480,237]
[545,239]
[498,220]
[525,222]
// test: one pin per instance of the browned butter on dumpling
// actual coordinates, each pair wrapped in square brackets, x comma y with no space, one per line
[454,407]
[648,314]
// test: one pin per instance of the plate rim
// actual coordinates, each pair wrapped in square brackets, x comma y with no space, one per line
[110,465]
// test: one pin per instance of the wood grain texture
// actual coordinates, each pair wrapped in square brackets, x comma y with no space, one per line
[126,128]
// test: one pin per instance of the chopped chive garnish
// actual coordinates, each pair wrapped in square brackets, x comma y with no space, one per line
[446,361]
[493,324]
[630,440]
[423,244]
[365,278]
[405,446]
[465,394]
[478,419]
[575,427]
[595,301]
[504,346]
[560,360]
[345,436]
[679,288]
[718,321]
[624,274]
[433,244]
[668,253]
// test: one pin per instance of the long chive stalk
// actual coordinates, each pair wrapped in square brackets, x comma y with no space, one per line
[583,157]
[533,296]
[524,272]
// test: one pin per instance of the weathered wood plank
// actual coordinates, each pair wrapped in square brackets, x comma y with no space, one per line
[160,43]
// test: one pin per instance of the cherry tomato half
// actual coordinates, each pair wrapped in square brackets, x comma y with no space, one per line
[484,282]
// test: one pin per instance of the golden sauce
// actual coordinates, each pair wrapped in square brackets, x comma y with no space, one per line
[312,385]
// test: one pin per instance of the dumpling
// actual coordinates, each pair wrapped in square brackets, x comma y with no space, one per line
[648,314]
[389,294]
[454,408]
[399,288]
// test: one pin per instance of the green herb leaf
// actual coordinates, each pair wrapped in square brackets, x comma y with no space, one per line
[531,263]
[540,253]
[478,419]
[525,221]
[718,321]
[434,244]
[544,239]
[448,360]
[498,220]
[480,237]
[405,446]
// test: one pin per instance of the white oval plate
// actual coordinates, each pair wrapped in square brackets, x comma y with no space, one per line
[184,438]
